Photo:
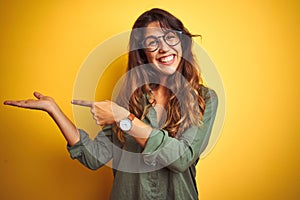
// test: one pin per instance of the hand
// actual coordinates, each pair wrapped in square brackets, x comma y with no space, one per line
[42,102]
[104,112]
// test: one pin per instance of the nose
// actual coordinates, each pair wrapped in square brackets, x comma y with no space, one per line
[163,46]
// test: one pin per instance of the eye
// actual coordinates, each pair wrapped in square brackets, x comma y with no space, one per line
[150,42]
[172,38]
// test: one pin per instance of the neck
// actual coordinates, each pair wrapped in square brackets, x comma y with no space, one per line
[163,80]
[161,95]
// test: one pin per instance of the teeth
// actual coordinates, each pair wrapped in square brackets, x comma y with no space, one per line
[167,59]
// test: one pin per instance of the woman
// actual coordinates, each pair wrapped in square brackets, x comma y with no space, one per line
[160,123]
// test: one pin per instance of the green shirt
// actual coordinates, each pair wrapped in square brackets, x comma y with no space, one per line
[164,169]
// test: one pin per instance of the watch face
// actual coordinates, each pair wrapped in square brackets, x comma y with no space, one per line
[125,124]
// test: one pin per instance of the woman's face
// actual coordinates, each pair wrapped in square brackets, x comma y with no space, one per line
[166,58]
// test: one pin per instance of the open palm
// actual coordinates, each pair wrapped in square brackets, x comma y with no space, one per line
[41,103]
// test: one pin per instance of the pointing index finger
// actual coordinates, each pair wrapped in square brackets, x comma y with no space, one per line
[82,103]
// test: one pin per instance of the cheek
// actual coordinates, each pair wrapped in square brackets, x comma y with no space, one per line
[150,57]
[179,51]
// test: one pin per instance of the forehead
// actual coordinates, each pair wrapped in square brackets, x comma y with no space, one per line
[154,28]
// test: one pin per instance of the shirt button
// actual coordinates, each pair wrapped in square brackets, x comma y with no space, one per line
[153,163]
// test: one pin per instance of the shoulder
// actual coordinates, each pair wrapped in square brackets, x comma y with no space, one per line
[211,104]
[208,94]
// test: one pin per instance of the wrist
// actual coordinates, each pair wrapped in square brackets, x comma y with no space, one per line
[52,108]
[126,123]
[122,115]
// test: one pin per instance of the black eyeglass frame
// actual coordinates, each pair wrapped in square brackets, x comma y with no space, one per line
[178,33]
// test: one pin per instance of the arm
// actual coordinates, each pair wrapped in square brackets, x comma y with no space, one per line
[108,112]
[179,154]
[159,148]
[92,154]
[48,105]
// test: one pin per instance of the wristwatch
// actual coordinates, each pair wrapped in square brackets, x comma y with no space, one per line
[126,124]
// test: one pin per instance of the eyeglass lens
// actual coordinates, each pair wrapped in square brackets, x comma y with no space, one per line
[151,43]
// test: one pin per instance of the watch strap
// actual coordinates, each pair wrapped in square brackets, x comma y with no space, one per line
[131,117]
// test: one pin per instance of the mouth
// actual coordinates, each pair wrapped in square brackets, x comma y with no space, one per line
[167,60]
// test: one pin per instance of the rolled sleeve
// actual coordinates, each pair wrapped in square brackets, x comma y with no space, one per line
[75,150]
[93,153]
[152,147]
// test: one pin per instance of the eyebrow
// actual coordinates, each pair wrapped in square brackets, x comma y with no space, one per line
[157,36]
[157,30]
[164,33]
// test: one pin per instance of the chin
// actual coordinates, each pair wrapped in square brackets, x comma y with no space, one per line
[167,70]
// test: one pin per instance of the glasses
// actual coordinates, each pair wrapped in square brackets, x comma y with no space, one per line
[171,38]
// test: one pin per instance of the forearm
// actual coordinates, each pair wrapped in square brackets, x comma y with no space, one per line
[68,129]
[108,112]
[140,131]
[46,103]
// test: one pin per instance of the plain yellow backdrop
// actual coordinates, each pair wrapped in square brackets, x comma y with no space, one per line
[254,44]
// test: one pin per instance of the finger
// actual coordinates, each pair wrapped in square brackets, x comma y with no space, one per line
[9,102]
[96,120]
[92,110]
[12,103]
[83,103]
[38,95]
[21,103]
[100,123]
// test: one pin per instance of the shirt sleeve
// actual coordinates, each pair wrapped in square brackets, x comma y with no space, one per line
[178,154]
[93,153]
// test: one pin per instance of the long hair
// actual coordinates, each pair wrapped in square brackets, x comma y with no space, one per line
[185,105]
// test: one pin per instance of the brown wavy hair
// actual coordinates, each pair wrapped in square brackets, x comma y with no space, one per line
[185,105]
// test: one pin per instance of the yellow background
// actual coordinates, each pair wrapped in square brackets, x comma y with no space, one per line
[254,44]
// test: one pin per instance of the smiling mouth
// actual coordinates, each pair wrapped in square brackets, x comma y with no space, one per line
[167,59]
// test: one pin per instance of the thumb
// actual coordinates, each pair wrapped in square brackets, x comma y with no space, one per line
[38,95]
